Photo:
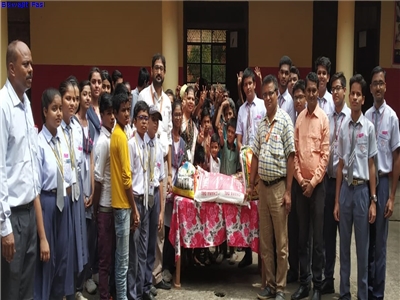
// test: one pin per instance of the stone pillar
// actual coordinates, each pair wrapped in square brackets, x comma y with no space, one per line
[3,48]
[170,45]
[345,39]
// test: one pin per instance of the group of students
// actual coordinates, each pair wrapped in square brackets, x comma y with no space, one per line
[327,169]
[95,184]
[100,180]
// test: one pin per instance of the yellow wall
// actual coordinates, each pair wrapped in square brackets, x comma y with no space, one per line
[3,45]
[387,34]
[289,24]
[96,33]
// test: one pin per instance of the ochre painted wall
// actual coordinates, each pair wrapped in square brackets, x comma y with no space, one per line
[387,34]
[280,28]
[68,38]
[96,33]
[3,46]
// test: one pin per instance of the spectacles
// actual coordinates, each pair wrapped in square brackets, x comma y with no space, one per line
[268,94]
[336,89]
[378,83]
[158,68]
[299,97]
[143,118]
[178,116]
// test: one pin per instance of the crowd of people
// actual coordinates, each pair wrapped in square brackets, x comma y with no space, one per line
[86,202]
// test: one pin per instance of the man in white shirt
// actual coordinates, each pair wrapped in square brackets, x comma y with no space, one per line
[323,70]
[154,95]
[19,180]
[285,100]
[386,125]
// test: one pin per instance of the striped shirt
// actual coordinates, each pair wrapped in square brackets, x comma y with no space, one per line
[273,144]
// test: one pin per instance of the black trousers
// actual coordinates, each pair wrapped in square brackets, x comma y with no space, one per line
[293,231]
[310,214]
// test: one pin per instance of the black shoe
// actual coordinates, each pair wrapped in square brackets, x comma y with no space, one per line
[292,277]
[302,292]
[148,296]
[280,296]
[266,293]
[327,287]
[163,285]
[246,261]
[316,295]
[153,290]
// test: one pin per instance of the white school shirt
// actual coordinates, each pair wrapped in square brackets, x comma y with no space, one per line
[19,172]
[387,135]
[163,104]
[286,103]
[257,111]
[47,160]
[102,171]
[326,103]
[159,173]
[334,136]
[365,146]
[138,156]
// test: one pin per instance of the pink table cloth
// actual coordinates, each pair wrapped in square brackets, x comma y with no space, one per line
[207,224]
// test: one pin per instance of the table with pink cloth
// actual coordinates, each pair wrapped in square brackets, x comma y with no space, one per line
[206,224]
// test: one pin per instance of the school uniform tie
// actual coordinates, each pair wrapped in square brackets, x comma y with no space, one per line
[248,124]
[76,192]
[377,114]
[332,143]
[151,168]
[352,154]
[281,100]
[60,179]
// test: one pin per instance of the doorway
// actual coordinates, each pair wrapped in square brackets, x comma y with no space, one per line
[367,22]
[215,42]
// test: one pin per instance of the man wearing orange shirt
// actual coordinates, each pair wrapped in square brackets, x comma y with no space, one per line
[310,163]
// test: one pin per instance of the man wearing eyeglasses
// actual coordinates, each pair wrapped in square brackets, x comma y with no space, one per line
[336,121]
[285,101]
[310,162]
[386,126]
[273,150]
[154,95]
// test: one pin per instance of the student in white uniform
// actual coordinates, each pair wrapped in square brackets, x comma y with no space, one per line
[73,136]
[102,209]
[55,279]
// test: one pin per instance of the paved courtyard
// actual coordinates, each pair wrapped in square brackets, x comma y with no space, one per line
[202,283]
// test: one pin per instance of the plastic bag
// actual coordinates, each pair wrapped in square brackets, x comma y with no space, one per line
[186,181]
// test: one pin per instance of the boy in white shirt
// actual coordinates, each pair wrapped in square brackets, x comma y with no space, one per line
[103,211]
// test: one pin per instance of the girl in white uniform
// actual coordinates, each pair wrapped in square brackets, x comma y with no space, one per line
[55,278]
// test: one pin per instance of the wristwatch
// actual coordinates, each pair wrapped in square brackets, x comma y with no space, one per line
[373,198]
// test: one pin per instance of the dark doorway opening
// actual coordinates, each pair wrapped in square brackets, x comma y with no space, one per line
[215,42]
[367,22]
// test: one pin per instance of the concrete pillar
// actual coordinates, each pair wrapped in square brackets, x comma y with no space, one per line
[3,46]
[170,46]
[345,39]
